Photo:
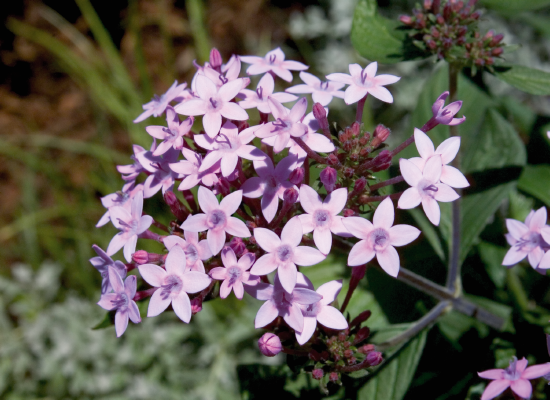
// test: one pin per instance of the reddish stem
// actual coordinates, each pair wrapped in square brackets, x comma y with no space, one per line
[391,181]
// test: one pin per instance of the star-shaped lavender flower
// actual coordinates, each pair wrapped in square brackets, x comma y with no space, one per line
[195,252]
[174,283]
[131,171]
[364,81]
[131,224]
[270,184]
[322,217]
[284,253]
[162,176]
[279,302]
[273,61]
[526,240]
[158,105]
[228,146]
[445,115]
[234,273]
[102,264]
[447,150]
[259,97]
[287,123]
[172,136]
[190,169]
[379,238]
[320,312]
[121,301]
[426,187]
[217,218]
[118,199]
[322,92]
[214,103]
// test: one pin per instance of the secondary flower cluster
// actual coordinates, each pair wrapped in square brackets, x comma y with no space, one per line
[230,232]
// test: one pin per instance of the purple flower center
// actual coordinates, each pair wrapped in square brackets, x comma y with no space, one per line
[272,58]
[311,310]
[121,302]
[284,253]
[223,79]
[321,218]
[511,373]
[172,285]
[379,239]
[216,219]
[272,182]
[529,242]
[259,92]
[428,188]
[324,85]
[128,227]
[191,254]
[280,125]
[234,274]
[214,103]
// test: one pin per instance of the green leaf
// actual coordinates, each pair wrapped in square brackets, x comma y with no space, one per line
[376,38]
[512,6]
[392,380]
[492,257]
[106,322]
[529,80]
[534,181]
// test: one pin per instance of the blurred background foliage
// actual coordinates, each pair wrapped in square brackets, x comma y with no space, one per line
[72,78]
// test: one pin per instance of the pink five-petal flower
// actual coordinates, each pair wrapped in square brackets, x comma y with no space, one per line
[189,168]
[270,184]
[259,97]
[228,146]
[102,263]
[447,150]
[284,253]
[172,136]
[527,240]
[287,123]
[122,300]
[364,81]
[118,199]
[273,61]
[426,187]
[131,224]
[162,176]
[379,238]
[214,104]
[157,106]
[195,252]
[516,377]
[320,311]
[445,115]
[234,273]
[174,283]
[217,218]
[322,92]
[281,303]
[322,217]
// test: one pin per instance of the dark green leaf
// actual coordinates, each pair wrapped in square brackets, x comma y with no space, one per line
[107,321]
[535,180]
[529,80]
[512,6]
[492,257]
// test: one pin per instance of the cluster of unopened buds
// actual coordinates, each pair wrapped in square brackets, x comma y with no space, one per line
[443,27]
[232,234]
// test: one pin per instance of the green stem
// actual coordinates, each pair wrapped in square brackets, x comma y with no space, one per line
[195,13]
[514,285]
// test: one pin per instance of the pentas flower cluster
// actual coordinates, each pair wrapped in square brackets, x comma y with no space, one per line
[248,218]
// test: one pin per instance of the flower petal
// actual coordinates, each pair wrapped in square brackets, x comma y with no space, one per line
[267,239]
[121,322]
[287,276]
[310,323]
[453,177]
[445,193]
[152,274]
[216,240]
[522,387]
[389,260]
[265,264]
[236,227]
[266,314]
[194,281]
[292,232]
[294,317]
[536,371]
[384,215]
[336,201]
[361,253]
[513,256]
[358,226]
[410,172]
[332,318]
[516,228]
[195,223]
[182,307]
[157,304]
[329,291]
[307,256]
[495,388]
[409,199]
[310,199]
[448,149]
[423,143]
[323,239]
[401,235]
[231,203]
[431,208]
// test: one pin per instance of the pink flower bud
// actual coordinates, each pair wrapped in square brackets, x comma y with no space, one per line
[406,19]
[427,5]
[238,246]
[297,176]
[360,318]
[196,305]
[348,213]
[332,159]
[317,373]
[176,206]
[215,59]
[382,159]
[435,6]
[497,51]
[348,353]
[355,129]
[328,177]
[223,186]
[381,167]
[290,196]
[333,377]
[366,349]
[374,358]
[361,335]
[140,257]
[359,185]
[320,115]
[270,344]
[381,133]
[496,40]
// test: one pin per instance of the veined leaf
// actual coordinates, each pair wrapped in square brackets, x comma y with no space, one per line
[529,80]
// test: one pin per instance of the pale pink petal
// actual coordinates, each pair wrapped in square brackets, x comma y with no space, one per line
[513,256]
[310,323]
[322,97]
[157,304]
[323,239]
[281,140]
[539,220]
[384,214]
[207,200]
[253,187]
[545,261]
[133,312]
[361,253]
[265,264]
[152,274]
[536,371]
[107,301]
[267,83]
[298,110]
[401,235]
[282,73]
[491,374]
[195,223]
[130,247]
[212,122]
[432,169]
[431,208]
[521,365]
[336,201]
[260,290]
[257,69]
[269,203]
[310,199]
[307,222]
[216,240]
[117,242]
[419,162]
[204,250]
[121,322]
[300,89]
[445,193]
[246,261]
[453,177]
[332,318]
[231,202]
[266,239]
[192,107]
[386,79]
[211,159]
[251,59]
[205,87]
[358,226]
[448,149]
[292,232]
[229,90]
[194,281]
[294,65]
[225,289]
[173,240]
[410,172]
[266,314]
[522,388]
[423,143]
[338,228]
[228,257]
[329,291]
[356,70]
[535,256]
[234,111]
[339,77]
[182,307]
[319,143]
[238,289]
[175,261]
[381,93]
[236,227]
[130,286]
[305,296]
[287,276]
[517,229]
[495,388]
[306,256]
[218,273]
[354,93]
[409,199]
[389,260]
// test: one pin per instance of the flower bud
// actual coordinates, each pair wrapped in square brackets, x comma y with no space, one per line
[496,40]
[140,257]
[374,358]
[332,159]
[360,318]
[238,246]
[296,177]
[348,213]
[359,185]
[406,19]
[320,115]
[381,167]
[333,377]
[497,51]
[328,177]
[196,305]
[348,353]
[342,336]
[361,335]
[366,349]
[427,5]
[382,159]
[355,129]
[381,133]
[290,196]
[242,125]
[176,206]
[317,373]
[435,6]
[270,344]
[215,59]
[223,186]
